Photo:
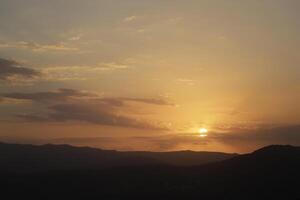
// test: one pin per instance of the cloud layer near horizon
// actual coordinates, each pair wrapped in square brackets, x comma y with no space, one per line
[239,142]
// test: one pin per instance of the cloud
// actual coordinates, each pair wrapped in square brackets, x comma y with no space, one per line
[46,47]
[187,81]
[112,66]
[120,101]
[75,38]
[244,139]
[95,114]
[50,96]
[15,73]
[34,46]
[11,70]
[130,18]
[64,94]
[81,72]
[85,107]
[9,101]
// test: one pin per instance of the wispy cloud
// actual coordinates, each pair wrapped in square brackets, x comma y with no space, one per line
[80,72]
[15,73]
[149,101]
[186,81]
[130,18]
[34,46]
[51,96]
[75,38]
[112,66]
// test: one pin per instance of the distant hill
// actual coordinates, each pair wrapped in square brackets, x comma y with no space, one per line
[184,158]
[269,155]
[24,157]
[268,173]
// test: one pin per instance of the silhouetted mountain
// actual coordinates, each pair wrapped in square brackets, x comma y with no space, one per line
[267,157]
[268,173]
[184,158]
[23,157]
[278,150]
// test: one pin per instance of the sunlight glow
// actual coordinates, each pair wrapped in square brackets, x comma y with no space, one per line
[203,132]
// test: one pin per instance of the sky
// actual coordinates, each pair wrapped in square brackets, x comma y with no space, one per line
[147,75]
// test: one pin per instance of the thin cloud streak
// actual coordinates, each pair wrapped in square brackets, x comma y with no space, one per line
[37,47]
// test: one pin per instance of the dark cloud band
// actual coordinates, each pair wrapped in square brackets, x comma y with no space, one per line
[9,68]
[75,105]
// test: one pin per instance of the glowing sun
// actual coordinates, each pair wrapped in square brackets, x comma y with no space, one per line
[203,132]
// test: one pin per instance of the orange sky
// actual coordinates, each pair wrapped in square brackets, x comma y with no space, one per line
[146,75]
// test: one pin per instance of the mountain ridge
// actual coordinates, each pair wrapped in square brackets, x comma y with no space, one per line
[258,175]
[52,157]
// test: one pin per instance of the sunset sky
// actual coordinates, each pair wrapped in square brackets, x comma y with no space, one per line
[149,74]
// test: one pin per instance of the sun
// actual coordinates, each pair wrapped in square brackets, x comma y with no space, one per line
[203,132]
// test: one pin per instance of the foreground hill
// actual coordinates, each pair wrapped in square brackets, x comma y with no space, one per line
[21,157]
[268,173]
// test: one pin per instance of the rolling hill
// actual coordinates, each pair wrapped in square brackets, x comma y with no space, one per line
[268,173]
[24,157]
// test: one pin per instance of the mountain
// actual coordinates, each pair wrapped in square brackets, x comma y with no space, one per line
[184,158]
[279,155]
[24,157]
[268,173]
